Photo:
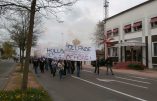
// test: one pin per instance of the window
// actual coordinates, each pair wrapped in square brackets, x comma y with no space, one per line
[127,28]
[137,26]
[153,22]
[115,32]
[155,48]
[109,33]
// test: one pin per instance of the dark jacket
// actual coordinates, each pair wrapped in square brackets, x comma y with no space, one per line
[109,61]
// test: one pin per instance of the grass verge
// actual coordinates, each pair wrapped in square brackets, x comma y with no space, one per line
[12,91]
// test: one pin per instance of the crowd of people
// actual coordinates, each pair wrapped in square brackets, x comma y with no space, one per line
[64,67]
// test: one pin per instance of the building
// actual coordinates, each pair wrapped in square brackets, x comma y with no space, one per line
[134,34]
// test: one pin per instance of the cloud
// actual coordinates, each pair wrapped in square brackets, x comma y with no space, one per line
[80,21]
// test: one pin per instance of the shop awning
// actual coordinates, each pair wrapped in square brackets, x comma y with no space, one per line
[131,43]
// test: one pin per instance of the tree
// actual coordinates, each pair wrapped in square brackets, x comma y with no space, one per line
[19,30]
[32,6]
[99,34]
[8,49]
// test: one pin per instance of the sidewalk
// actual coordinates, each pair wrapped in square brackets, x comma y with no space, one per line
[145,73]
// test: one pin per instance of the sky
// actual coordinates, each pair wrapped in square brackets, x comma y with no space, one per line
[80,22]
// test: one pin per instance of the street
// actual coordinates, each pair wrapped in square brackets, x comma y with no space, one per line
[6,67]
[93,87]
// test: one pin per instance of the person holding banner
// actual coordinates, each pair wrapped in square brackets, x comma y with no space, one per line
[78,65]
[97,66]
[72,67]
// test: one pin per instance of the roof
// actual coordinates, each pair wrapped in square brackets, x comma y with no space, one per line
[144,3]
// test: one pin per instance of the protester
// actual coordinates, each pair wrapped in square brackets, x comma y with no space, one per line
[72,67]
[53,67]
[109,63]
[42,63]
[78,65]
[81,65]
[65,67]
[46,64]
[61,68]
[97,66]
[68,66]
[35,65]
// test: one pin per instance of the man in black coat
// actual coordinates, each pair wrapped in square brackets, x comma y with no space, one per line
[35,65]
[97,66]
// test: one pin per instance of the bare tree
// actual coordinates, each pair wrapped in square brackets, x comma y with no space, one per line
[99,34]
[19,30]
[33,6]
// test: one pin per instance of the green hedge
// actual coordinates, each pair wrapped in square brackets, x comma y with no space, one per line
[29,95]
[136,66]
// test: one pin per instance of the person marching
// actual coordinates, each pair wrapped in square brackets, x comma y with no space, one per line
[42,63]
[78,65]
[97,66]
[61,68]
[53,67]
[109,63]
[35,65]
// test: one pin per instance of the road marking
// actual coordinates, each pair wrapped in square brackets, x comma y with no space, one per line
[109,89]
[137,77]
[87,71]
[132,80]
[105,80]
[122,82]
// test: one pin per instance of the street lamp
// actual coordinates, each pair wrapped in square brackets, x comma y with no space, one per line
[106,5]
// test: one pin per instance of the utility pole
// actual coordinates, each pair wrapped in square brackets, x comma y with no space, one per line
[106,5]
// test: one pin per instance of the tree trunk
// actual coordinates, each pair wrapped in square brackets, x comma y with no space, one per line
[20,54]
[28,46]
[22,60]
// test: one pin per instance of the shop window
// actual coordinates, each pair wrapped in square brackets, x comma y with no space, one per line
[115,32]
[127,28]
[155,48]
[137,26]
[153,22]
[109,33]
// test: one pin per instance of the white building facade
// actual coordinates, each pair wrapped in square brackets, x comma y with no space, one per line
[134,34]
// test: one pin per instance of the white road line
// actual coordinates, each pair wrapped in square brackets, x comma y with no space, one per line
[137,77]
[87,71]
[123,83]
[132,80]
[109,89]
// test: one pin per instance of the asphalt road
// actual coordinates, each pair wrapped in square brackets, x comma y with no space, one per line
[6,67]
[93,87]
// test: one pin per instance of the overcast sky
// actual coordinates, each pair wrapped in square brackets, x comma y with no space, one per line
[80,21]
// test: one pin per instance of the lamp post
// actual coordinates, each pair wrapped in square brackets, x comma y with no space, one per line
[106,5]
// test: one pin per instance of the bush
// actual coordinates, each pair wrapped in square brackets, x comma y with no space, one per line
[31,94]
[136,66]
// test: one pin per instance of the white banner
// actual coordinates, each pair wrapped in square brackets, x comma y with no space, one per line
[55,53]
[79,53]
[72,52]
